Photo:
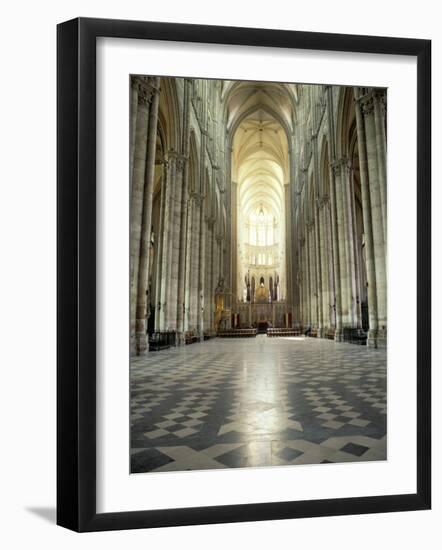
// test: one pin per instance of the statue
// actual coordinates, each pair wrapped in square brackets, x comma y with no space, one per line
[276,287]
[220,287]
[262,292]
[247,281]
[150,275]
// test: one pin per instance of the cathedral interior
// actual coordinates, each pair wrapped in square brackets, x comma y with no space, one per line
[258,235]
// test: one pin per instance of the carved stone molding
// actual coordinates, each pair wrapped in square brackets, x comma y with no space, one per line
[323,201]
[180,164]
[172,157]
[367,105]
[340,166]
[181,161]
[146,89]
[381,100]
[164,163]
[144,96]
[336,168]
[197,198]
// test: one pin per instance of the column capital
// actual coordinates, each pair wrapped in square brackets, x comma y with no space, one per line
[179,159]
[164,162]
[181,162]
[146,89]
[338,166]
[380,97]
[380,93]
[196,197]
[367,104]
[323,201]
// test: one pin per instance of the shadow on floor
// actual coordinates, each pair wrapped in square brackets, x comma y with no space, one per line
[46,513]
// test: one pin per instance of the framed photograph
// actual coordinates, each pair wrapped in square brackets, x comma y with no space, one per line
[243,274]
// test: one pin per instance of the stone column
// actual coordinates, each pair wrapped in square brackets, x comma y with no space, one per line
[368,230]
[207,274]
[313,281]
[166,238]
[300,282]
[195,259]
[294,235]
[325,298]
[234,247]
[215,260]
[330,306]
[143,275]
[341,178]
[335,211]
[182,269]
[201,273]
[350,233]
[160,240]
[133,121]
[317,229]
[376,218]
[356,267]
[183,244]
[288,254]
[308,285]
[319,272]
[379,103]
[229,275]
[306,280]
[173,299]
[296,301]
[220,240]
[377,221]
[211,225]
[367,104]
[172,263]
[144,95]
[346,273]
[188,273]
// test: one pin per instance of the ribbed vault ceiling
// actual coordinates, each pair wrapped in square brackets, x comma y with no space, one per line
[260,118]
[260,115]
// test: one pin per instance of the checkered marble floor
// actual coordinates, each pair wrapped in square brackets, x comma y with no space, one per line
[257,402]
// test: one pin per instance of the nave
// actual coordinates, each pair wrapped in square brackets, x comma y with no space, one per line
[256,205]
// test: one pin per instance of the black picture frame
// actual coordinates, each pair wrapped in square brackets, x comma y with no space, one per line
[76,274]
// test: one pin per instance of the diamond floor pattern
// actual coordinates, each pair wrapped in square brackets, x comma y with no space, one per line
[258,402]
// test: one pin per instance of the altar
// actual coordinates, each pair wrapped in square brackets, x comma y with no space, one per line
[268,315]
